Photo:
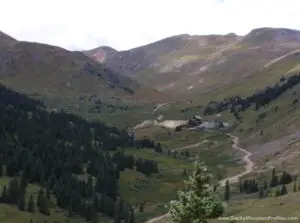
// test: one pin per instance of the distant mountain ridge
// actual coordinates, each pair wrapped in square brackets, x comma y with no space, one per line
[140,58]
[188,65]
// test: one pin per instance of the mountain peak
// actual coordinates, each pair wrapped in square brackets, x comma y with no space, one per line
[106,48]
[265,34]
[101,53]
[6,39]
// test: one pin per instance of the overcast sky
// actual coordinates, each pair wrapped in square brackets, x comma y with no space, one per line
[124,24]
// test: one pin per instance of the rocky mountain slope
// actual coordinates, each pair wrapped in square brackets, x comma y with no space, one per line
[189,65]
[65,77]
[6,40]
[101,53]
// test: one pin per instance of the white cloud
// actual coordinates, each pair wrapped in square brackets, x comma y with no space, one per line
[78,24]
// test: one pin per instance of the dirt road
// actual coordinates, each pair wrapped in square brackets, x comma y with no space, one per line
[246,158]
[248,168]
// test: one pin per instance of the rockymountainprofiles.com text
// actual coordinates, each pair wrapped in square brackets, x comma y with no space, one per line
[258,218]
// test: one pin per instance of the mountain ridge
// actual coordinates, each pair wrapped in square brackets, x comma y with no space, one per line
[68,79]
[185,65]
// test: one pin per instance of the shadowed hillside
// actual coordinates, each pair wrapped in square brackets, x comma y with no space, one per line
[66,79]
[55,165]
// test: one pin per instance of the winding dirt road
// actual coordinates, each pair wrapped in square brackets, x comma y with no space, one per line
[246,158]
[248,168]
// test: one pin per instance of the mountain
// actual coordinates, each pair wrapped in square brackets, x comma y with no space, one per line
[101,53]
[186,65]
[67,79]
[6,40]
[155,55]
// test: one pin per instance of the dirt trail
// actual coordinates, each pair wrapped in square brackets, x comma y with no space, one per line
[159,106]
[189,146]
[281,58]
[246,158]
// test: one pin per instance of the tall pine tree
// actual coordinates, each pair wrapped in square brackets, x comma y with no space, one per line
[43,203]
[198,203]
[21,200]
[31,204]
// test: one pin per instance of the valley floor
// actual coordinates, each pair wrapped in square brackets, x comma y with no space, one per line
[271,149]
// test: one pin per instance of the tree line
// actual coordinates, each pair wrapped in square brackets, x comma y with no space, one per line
[250,186]
[259,99]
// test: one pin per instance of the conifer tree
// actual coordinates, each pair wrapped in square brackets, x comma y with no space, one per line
[261,192]
[265,186]
[169,152]
[285,178]
[132,219]
[31,204]
[141,207]
[283,190]
[21,200]
[227,191]
[241,186]
[117,212]
[215,188]
[23,181]
[45,209]
[277,192]
[13,191]
[1,170]
[48,193]
[96,203]
[41,197]
[4,195]
[184,172]
[198,203]
[274,180]
[90,186]
[43,203]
